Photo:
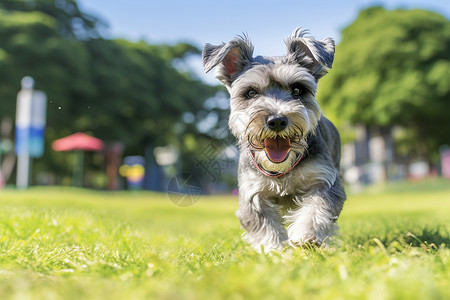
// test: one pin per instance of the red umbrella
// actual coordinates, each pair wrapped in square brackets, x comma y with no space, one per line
[78,141]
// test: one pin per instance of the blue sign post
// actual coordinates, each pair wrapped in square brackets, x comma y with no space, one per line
[30,125]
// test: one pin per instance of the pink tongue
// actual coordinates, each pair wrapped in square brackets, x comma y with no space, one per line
[277,149]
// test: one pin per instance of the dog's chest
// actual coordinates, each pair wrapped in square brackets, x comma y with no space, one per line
[283,190]
[298,183]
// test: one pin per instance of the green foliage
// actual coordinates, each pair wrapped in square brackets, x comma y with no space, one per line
[176,51]
[115,89]
[72,244]
[59,66]
[71,22]
[140,90]
[392,68]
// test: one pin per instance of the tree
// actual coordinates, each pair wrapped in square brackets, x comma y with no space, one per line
[115,89]
[71,21]
[30,45]
[393,68]
[139,89]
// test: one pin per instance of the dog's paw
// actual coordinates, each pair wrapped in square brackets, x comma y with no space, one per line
[304,234]
[306,239]
[311,224]
[270,248]
[266,246]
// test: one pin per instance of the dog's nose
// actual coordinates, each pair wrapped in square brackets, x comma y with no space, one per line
[277,123]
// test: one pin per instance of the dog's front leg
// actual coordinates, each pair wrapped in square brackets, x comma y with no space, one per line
[313,220]
[263,225]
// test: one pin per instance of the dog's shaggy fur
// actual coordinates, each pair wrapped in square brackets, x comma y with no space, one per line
[289,162]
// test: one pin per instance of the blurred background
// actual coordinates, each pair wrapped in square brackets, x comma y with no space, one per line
[124,103]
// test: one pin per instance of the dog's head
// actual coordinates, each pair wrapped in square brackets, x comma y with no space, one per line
[273,105]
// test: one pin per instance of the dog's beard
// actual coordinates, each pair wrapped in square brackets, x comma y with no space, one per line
[274,151]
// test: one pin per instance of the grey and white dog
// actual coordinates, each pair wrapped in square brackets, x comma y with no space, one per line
[289,162]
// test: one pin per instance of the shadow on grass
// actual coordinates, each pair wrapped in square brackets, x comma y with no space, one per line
[429,239]
[428,236]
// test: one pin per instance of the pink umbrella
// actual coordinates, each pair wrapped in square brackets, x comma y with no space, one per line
[78,142]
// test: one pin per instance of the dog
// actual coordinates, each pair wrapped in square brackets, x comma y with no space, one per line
[288,172]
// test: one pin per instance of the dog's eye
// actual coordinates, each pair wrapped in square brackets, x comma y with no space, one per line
[251,94]
[297,91]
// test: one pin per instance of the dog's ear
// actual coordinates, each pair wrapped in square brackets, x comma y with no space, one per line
[229,58]
[316,55]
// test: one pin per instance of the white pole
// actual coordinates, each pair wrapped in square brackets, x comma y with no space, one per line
[23,116]
[23,171]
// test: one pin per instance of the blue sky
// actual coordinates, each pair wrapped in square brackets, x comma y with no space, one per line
[266,22]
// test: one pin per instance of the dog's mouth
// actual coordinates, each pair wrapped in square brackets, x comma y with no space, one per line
[277,149]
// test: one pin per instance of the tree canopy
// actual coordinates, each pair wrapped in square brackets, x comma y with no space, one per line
[393,68]
[115,89]
[71,22]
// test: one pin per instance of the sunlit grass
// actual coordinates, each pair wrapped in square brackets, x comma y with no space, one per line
[60,243]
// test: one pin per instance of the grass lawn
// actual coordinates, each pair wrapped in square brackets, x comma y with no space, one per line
[63,243]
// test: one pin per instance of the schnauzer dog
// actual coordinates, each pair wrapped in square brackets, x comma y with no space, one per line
[289,162]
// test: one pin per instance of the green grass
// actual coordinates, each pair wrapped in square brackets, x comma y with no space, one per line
[58,243]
